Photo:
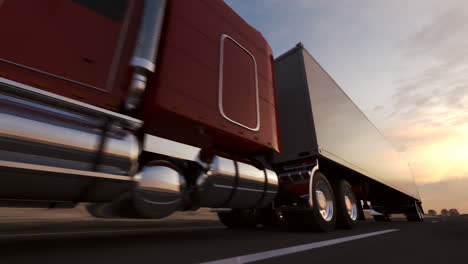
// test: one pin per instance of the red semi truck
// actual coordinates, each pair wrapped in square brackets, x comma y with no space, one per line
[146,107]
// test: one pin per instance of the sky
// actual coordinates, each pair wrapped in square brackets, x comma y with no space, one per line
[404,64]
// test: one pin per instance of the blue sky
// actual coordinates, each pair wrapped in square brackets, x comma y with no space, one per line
[404,63]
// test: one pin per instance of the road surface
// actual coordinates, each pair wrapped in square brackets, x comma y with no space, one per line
[193,239]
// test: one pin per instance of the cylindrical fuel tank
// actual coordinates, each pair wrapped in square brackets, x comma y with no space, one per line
[232,184]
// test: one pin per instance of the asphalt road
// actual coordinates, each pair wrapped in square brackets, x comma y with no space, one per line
[437,240]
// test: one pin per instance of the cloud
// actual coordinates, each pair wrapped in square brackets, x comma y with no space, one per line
[437,95]
[442,39]
[429,107]
[446,194]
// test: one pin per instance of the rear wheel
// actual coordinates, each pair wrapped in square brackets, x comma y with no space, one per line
[321,215]
[346,205]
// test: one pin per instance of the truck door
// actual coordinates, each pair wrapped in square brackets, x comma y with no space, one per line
[76,48]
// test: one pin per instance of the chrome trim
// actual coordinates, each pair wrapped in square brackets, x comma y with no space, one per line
[241,188]
[159,190]
[222,182]
[170,148]
[311,181]
[221,172]
[146,49]
[42,168]
[220,84]
[324,198]
[231,184]
[351,204]
[36,94]
[40,134]
[143,63]
[35,131]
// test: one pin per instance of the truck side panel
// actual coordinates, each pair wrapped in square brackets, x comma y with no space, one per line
[344,134]
[78,49]
[213,85]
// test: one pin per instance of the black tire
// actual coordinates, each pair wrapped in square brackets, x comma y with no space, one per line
[311,218]
[238,218]
[347,207]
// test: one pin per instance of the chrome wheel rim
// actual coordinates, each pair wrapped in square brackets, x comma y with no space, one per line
[324,198]
[351,204]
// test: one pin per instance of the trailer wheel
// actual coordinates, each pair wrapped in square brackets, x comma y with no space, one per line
[347,211]
[238,218]
[321,215]
[324,204]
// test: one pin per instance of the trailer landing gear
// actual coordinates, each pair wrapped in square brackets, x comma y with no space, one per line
[415,213]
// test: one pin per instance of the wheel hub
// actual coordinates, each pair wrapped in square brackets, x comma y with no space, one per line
[324,201]
[351,206]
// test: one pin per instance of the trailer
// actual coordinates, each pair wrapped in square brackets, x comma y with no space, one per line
[143,108]
[320,124]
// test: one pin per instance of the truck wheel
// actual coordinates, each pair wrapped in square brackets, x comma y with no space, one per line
[347,212]
[320,216]
[238,218]
[416,213]
[323,204]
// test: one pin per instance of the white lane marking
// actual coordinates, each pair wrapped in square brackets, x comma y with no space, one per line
[295,249]
[435,221]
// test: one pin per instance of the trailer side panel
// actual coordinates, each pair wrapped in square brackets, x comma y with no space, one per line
[342,132]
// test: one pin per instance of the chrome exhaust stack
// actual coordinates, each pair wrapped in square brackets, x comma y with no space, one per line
[146,49]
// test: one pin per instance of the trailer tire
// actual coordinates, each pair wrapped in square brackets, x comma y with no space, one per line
[321,216]
[238,218]
[347,211]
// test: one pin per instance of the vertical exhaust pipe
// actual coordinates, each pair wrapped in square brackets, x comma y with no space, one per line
[146,49]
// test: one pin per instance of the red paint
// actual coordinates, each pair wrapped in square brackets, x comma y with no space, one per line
[239,85]
[181,102]
[357,189]
[68,40]
[299,188]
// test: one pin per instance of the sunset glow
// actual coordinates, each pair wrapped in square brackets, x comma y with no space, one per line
[405,64]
